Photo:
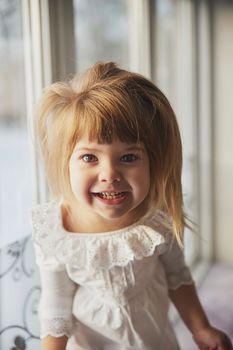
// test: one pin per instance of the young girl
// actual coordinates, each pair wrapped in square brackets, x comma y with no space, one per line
[109,244]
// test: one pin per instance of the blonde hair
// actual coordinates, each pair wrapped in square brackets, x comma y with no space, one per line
[103,103]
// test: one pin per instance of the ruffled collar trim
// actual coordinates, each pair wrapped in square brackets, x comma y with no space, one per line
[84,250]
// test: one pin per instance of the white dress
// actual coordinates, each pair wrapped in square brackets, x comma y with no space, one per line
[107,291]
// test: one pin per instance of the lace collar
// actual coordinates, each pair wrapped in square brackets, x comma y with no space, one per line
[105,250]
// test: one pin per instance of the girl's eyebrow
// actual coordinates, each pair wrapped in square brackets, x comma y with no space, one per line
[134,148]
[128,149]
[86,149]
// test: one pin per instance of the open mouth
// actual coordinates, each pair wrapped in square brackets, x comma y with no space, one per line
[110,195]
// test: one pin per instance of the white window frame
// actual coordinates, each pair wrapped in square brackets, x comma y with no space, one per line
[37,74]
[44,21]
[205,130]
[139,37]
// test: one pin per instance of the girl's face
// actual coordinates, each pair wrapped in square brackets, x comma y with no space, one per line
[109,181]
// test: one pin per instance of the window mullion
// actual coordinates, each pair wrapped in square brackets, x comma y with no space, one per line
[37,74]
[140,48]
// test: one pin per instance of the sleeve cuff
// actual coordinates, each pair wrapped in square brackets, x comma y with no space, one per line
[56,327]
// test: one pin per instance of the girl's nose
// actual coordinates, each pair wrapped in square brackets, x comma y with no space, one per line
[109,174]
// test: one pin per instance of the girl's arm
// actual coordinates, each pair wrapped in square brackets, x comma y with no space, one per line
[57,288]
[184,296]
[52,343]
[55,308]
[186,301]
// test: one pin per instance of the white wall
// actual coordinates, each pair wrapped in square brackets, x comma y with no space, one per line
[223,130]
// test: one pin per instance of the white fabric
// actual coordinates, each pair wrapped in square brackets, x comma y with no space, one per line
[107,290]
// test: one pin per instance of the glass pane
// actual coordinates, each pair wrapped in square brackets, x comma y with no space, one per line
[165,46]
[101,32]
[15,189]
[170,73]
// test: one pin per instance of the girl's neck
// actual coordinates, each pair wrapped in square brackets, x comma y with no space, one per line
[76,221]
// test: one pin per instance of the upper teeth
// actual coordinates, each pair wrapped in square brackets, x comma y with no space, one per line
[110,195]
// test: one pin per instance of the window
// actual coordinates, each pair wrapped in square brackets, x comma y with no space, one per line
[101,32]
[173,71]
[15,191]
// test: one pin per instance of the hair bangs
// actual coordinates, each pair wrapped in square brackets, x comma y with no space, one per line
[104,116]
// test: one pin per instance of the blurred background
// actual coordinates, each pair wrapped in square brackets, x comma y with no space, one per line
[186,48]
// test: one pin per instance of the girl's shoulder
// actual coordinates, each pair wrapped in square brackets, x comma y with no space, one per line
[44,211]
[45,222]
[103,250]
[45,217]
[160,221]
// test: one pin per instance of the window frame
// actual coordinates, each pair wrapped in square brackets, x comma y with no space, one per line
[44,21]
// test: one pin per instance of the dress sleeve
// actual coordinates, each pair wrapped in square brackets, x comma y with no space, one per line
[172,255]
[55,308]
[176,270]
[57,288]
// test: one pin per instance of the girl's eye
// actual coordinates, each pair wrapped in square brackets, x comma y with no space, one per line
[129,158]
[89,158]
